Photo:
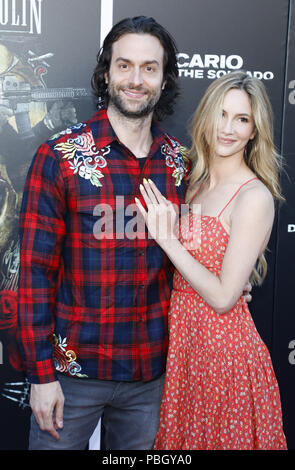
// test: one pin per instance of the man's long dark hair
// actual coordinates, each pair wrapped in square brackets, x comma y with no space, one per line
[139,25]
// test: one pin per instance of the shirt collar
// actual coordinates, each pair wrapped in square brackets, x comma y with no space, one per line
[104,134]
[101,129]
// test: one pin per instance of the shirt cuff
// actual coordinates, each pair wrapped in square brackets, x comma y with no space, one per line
[41,372]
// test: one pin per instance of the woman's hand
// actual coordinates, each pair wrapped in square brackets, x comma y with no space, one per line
[160,216]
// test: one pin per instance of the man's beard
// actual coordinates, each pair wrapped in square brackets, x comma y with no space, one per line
[142,111]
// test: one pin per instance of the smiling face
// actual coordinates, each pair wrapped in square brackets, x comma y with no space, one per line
[135,78]
[236,125]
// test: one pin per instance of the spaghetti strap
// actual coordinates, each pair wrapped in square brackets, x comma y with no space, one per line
[246,182]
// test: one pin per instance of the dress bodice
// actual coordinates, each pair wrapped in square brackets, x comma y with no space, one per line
[206,239]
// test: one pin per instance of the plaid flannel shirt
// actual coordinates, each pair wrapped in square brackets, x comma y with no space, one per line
[94,288]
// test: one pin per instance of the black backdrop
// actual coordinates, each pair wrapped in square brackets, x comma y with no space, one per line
[213,37]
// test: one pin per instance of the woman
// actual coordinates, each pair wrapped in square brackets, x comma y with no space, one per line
[220,390]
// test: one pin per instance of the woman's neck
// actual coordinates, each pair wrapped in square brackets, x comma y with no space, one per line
[227,170]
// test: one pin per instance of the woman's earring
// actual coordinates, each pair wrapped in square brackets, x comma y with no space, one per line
[254,146]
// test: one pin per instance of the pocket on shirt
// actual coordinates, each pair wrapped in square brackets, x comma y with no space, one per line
[97,220]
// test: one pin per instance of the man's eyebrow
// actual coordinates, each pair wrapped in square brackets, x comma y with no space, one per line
[123,59]
[152,62]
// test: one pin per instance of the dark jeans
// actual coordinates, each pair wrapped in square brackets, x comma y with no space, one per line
[130,415]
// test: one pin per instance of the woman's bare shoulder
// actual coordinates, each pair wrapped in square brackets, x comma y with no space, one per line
[256,196]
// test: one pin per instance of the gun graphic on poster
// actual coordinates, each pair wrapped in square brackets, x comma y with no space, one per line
[17,96]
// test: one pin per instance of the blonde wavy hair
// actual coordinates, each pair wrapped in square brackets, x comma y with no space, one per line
[260,154]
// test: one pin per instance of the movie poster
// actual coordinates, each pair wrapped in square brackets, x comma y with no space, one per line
[47,56]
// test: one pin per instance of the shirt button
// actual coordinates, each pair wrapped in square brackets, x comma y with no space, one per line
[141,286]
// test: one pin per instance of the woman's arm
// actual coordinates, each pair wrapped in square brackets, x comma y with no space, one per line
[252,219]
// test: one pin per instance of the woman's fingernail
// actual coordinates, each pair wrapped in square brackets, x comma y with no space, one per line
[141,187]
[145,181]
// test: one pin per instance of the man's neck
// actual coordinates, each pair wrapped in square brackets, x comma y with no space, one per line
[135,134]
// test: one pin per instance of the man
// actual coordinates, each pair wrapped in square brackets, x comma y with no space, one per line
[94,291]
[93,304]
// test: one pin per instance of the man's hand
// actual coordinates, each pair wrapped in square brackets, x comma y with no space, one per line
[246,292]
[47,403]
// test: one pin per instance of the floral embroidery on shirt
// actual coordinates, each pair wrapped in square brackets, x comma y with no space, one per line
[69,130]
[65,361]
[175,157]
[84,158]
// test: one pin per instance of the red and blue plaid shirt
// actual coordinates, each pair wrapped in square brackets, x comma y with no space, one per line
[94,287]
